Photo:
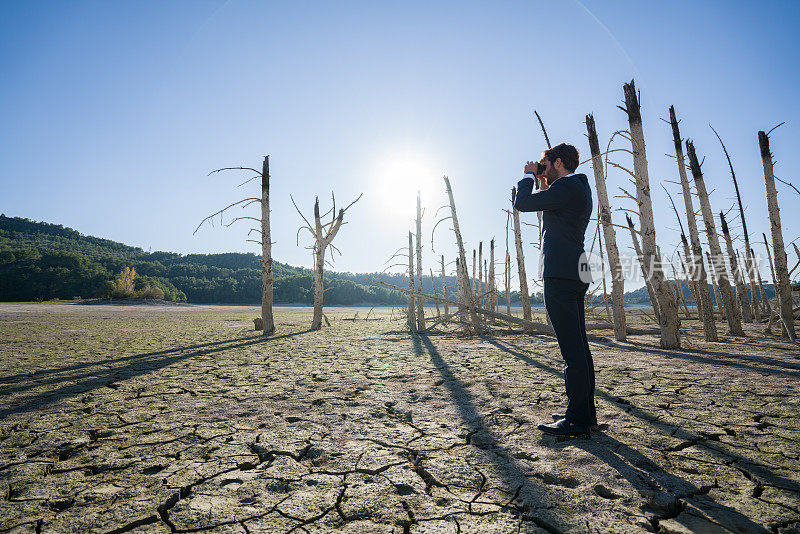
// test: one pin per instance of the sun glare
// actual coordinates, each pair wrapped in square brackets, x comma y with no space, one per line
[399,177]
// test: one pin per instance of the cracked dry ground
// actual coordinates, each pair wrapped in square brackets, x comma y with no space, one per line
[183,420]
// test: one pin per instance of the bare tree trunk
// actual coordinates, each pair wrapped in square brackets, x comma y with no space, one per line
[319,269]
[508,270]
[732,312]
[774,286]
[481,292]
[266,254]
[764,298]
[492,289]
[691,279]
[610,234]
[475,276]
[741,291]
[705,308]
[603,272]
[461,264]
[486,294]
[444,286]
[692,284]
[412,319]
[715,286]
[420,300]
[523,277]
[783,288]
[668,310]
[638,249]
[748,261]
[436,302]
[321,242]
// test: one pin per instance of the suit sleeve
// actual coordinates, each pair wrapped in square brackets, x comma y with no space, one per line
[549,199]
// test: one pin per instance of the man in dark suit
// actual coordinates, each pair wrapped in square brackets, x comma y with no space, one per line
[565,200]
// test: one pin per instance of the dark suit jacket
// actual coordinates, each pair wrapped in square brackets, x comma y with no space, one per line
[566,208]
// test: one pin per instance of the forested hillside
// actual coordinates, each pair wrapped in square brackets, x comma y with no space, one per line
[42,261]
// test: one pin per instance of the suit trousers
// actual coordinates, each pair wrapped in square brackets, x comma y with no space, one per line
[564,302]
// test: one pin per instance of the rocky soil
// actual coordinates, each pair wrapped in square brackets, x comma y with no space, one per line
[184,420]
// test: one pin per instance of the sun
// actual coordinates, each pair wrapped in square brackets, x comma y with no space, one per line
[399,176]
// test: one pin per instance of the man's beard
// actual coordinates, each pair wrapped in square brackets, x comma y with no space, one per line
[551,175]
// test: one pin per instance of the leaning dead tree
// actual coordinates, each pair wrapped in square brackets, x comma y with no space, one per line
[523,277]
[738,278]
[697,270]
[267,320]
[783,288]
[647,282]
[412,321]
[420,311]
[749,261]
[732,312]
[667,307]
[466,298]
[617,278]
[323,235]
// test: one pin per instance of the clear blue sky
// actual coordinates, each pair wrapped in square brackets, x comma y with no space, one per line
[113,113]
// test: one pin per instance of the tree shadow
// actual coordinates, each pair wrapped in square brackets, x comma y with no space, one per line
[725,359]
[94,375]
[662,490]
[714,448]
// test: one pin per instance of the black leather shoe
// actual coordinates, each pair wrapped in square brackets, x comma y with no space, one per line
[560,416]
[564,428]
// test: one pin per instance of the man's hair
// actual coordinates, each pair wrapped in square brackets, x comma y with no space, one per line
[569,155]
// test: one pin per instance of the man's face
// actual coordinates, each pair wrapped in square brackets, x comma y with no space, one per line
[550,173]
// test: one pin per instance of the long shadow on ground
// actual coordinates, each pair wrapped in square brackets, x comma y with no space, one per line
[98,374]
[717,449]
[724,359]
[515,479]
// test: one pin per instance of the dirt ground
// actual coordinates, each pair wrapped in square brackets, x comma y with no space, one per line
[182,419]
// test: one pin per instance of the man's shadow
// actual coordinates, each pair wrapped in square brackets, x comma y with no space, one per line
[527,493]
[644,474]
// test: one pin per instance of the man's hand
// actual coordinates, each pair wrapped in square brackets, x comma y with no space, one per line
[531,166]
[542,181]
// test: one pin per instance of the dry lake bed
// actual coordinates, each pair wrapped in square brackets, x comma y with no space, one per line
[182,419]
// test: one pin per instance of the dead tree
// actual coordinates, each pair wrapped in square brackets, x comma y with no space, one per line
[774,285]
[738,278]
[715,286]
[617,278]
[539,214]
[764,299]
[638,249]
[732,312]
[668,320]
[465,298]
[412,320]
[748,260]
[433,285]
[323,235]
[697,270]
[444,287]
[267,319]
[492,288]
[481,293]
[692,284]
[507,276]
[523,277]
[783,288]
[420,301]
